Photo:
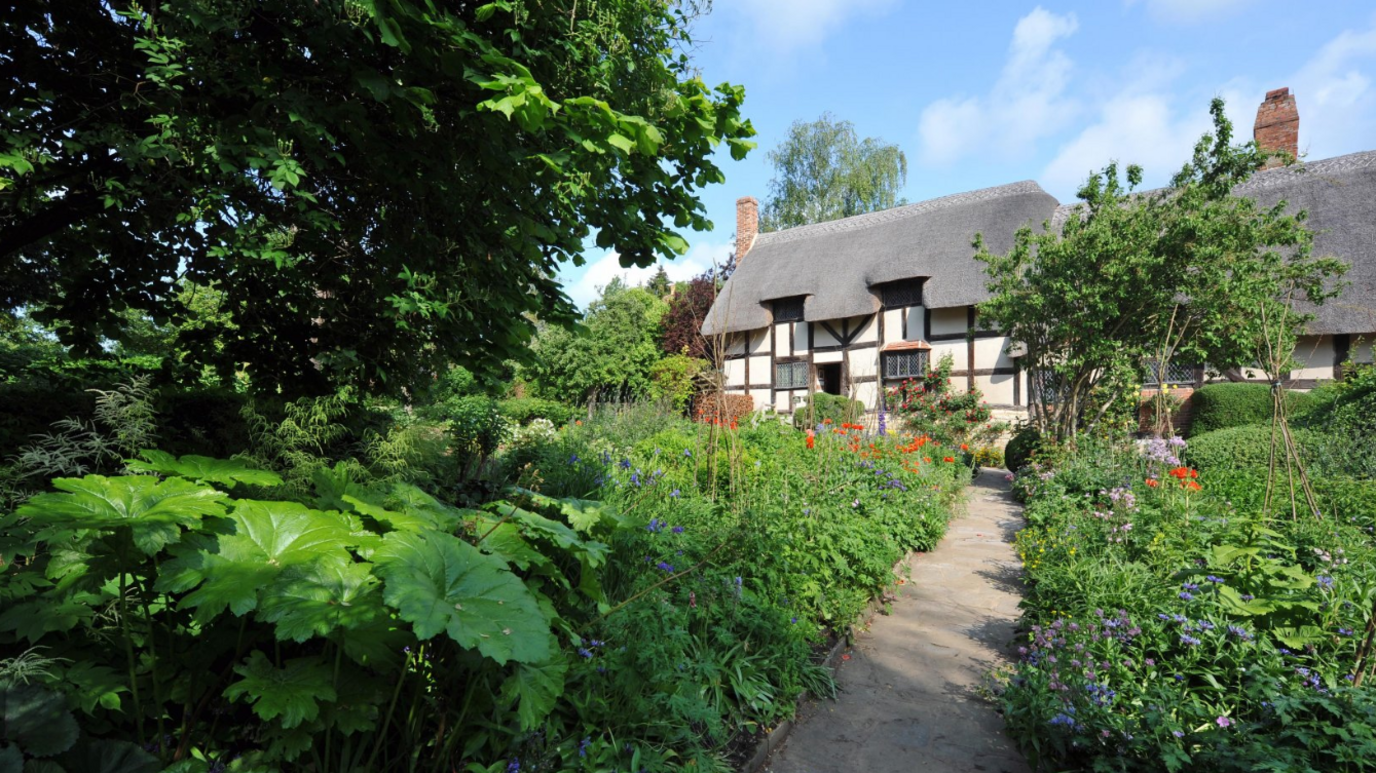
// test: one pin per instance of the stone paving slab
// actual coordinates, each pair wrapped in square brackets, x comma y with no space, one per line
[909,697]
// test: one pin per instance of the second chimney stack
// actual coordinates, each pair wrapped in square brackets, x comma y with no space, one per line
[747,224]
[1278,124]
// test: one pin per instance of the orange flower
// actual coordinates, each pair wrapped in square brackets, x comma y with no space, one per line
[826,421]
[578,423]
[927,459]
[948,459]
[733,424]
[810,439]
[964,447]
[1153,482]
[1191,485]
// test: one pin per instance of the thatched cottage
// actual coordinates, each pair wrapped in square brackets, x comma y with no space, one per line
[855,306]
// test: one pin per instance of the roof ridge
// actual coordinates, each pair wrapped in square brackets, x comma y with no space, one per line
[895,213]
[1270,178]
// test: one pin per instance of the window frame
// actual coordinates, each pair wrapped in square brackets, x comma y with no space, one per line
[913,287]
[923,363]
[795,367]
[778,305]
[1151,378]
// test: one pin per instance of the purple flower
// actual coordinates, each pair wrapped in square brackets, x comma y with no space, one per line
[1212,578]
[1325,581]
[674,494]
[677,530]
[1150,661]
[573,459]
[514,766]
[1184,594]
[584,652]
[1188,639]
[665,567]
[1224,722]
[583,747]
[687,452]
[655,526]
[1177,734]
[1240,633]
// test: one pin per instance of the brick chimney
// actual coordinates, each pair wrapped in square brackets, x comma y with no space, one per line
[747,225]
[1278,125]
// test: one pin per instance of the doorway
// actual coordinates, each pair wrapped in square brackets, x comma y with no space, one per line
[829,378]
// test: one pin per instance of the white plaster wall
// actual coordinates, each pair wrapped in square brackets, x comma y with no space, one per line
[759,341]
[893,325]
[997,388]
[735,343]
[862,363]
[762,398]
[820,336]
[1315,357]
[868,327]
[948,321]
[867,393]
[761,370]
[1361,351]
[781,340]
[824,357]
[957,350]
[989,353]
[917,318]
[735,373]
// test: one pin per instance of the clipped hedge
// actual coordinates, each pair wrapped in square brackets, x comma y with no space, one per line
[524,410]
[722,408]
[1020,447]
[1248,447]
[828,406]
[1221,406]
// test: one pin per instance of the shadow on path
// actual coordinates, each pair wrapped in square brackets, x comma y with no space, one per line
[911,694]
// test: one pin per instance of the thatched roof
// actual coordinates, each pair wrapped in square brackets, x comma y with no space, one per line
[837,264]
[1340,197]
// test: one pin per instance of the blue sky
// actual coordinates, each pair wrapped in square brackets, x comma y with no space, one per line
[991,92]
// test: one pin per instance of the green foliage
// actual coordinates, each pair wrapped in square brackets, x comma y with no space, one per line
[1247,447]
[824,171]
[676,379]
[1018,453]
[1220,406]
[1174,623]
[536,126]
[823,408]
[609,357]
[524,410]
[928,406]
[1097,299]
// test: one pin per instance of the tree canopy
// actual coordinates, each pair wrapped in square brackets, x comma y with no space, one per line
[1190,271]
[374,190]
[824,171]
[609,356]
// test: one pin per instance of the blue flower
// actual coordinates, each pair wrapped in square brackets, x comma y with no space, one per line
[687,452]
[1188,639]
[674,494]
[1240,633]
[1063,719]
[583,747]
[655,526]
[584,652]
[1184,594]
[514,766]
[625,464]
[1212,578]
[573,459]
[1325,581]
[677,530]
[665,567]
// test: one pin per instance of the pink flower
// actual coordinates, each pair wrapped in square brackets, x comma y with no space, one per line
[1224,722]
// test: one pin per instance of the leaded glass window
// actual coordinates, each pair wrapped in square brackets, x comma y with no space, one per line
[788,309]
[895,295]
[1173,373]
[790,375]
[910,364]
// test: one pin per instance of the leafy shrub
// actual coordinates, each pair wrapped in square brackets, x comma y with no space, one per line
[823,407]
[524,410]
[930,407]
[1244,447]
[716,407]
[989,456]
[676,379]
[475,423]
[1020,448]
[1222,406]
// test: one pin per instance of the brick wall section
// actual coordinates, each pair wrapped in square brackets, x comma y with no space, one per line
[1278,124]
[1180,420]
[747,224]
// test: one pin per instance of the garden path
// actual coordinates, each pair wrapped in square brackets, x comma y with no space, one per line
[909,694]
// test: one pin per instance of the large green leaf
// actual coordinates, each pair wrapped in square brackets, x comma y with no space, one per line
[290,693]
[37,719]
[395,521]
[316,598]
[440,583]
[51,613]
[226,472]
[103,755]
[155,511]
[268,538]
[535,687]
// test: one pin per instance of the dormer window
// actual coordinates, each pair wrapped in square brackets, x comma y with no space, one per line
[900,294]
[788,309]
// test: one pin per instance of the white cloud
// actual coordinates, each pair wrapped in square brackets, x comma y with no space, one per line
[1026,103]
[1335,95]
[1190,11]
[786,24]
[600,272]
[1137,129]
